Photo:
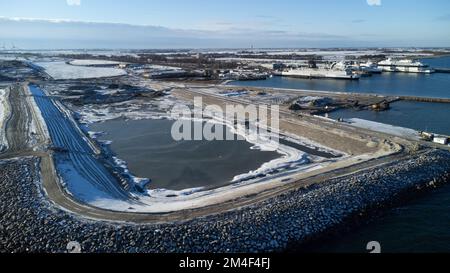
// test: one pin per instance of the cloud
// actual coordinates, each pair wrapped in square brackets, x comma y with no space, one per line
[73,2]
[374,2]
[58,33]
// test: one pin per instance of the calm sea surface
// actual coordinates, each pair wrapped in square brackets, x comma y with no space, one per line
[435,85]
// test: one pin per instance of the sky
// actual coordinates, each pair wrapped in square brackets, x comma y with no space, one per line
[223,23]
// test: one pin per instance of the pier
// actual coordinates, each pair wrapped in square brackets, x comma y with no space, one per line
[442,70]
[424,99]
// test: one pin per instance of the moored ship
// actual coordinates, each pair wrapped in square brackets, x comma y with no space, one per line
[370,67]
[334,72]
[407,66]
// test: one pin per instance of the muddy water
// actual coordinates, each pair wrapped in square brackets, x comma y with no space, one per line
[150,151]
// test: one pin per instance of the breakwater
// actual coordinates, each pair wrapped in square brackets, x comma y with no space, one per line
[442,70]
[33,224]
[424,99]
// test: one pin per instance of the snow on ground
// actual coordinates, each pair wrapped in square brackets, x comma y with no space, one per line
[385,128]
[134,109]
[9,58]
[93,62]
[163,67]
[3,110]
[97,191]
[291,159]
[290,163]
[64,71]
[328,55]
[163,200]
[2,105]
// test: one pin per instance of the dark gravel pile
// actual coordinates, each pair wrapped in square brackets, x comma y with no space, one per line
[30,223]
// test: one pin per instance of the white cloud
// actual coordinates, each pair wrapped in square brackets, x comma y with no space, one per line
[73,2]
[374,2]
[45,33]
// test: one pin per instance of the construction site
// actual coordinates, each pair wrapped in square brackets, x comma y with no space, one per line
[326,173]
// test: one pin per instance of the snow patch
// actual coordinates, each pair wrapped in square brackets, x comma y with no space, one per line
[3,116]
[93,62]
[385,128]
[63,71]
[134,110]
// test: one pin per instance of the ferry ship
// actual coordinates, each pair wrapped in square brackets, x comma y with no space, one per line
[370,67]
[407,66]
[316,73]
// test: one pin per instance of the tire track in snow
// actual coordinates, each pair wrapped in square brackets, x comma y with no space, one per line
[79,155]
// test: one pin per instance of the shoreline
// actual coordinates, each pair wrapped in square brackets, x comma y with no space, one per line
[300,215]
[269,222]
[343,93]
[382,170]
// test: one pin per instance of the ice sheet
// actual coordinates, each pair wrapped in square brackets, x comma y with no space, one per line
[63,71]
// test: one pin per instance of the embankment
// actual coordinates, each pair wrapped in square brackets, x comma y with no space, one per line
[32,223]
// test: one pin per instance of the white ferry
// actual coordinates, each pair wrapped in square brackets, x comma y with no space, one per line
[370,67]
[334,72]
[408,66]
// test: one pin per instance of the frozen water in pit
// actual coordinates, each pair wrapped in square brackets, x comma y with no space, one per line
[146,148]
[149,151]
[89,181]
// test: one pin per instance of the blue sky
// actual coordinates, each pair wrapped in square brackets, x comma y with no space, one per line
[225,23]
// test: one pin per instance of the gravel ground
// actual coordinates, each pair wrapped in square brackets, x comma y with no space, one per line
[30,223]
